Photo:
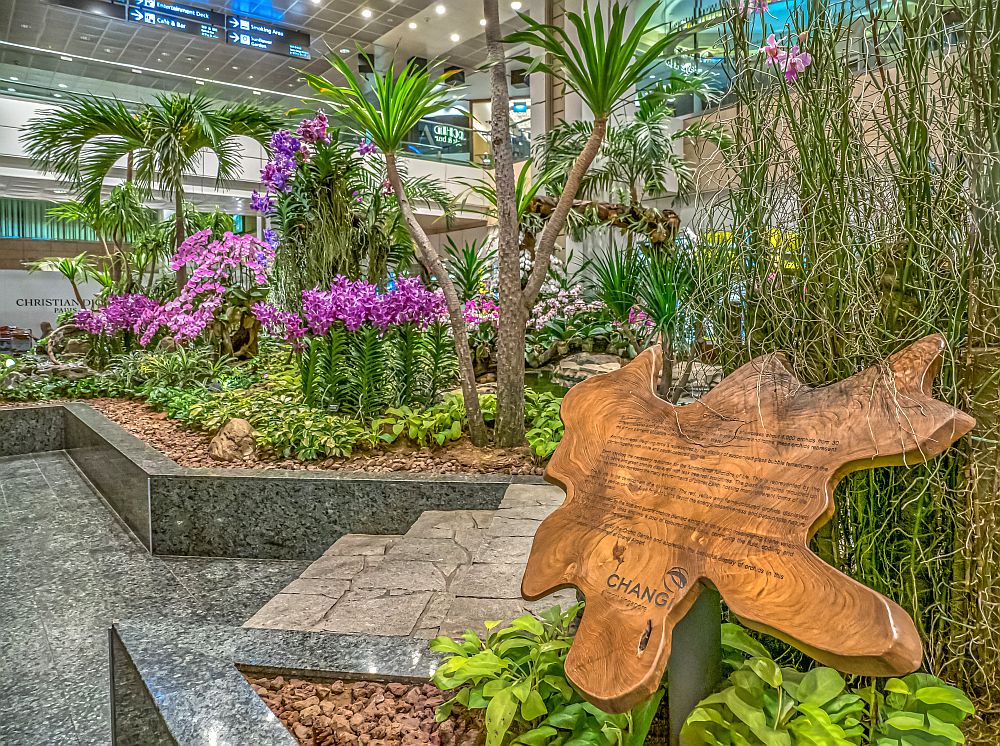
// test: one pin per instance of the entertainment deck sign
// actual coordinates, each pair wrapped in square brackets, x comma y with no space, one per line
[177,17]
[663,502]
[186,18]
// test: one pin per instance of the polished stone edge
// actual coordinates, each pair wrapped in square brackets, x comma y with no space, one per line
[247,513]
[34,429]
[135,718]
[191,670]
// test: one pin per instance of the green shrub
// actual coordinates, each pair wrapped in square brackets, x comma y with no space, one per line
[516,675]
[768,705]
[544,428]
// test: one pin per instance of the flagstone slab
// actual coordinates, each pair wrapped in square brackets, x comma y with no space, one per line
[291,611]
[364,544]
[360,613]
[412,575]
[335,567]
[428,550]
[489,580]
[332,589]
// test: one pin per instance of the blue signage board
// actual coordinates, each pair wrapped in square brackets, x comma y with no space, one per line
[142,13]
[266,36]
[182,10]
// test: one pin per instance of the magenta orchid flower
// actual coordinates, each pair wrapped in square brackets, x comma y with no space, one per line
[796,62]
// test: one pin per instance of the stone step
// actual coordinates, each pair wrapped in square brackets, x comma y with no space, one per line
[451,570]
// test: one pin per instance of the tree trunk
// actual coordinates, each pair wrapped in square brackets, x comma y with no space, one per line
[667,371]
[430,260]
[76,293]
[509,427]
[179,235]
[547,241]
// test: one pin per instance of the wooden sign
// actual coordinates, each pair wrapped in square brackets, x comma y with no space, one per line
[729,490]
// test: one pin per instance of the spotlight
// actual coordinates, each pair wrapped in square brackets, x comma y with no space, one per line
[440,9]
[516,5]
[455,37]
[411,25]
[366,13]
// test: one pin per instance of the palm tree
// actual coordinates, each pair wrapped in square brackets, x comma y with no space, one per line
[162,141]
[400,100]
[117,221]
[602,65]
[76,269]
[637,158]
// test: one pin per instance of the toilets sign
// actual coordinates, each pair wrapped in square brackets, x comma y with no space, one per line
[663,501]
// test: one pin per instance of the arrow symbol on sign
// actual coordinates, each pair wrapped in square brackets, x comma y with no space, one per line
[136,15]
[234,22]
[234,37]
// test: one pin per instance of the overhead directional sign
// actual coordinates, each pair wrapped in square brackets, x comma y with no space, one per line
[182,10]
[266,36]
[144,12]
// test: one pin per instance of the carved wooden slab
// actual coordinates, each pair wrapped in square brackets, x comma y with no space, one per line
[728,490]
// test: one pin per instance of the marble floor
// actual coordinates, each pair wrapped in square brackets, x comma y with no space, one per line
[68,568]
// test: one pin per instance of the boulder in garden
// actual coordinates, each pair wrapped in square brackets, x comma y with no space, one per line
[233,442]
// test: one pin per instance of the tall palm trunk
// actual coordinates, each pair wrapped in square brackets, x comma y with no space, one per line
[431,262]
[179,235]
[509,428]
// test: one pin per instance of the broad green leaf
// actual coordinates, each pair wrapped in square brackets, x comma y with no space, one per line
[767,670]
[945,695]
[540,736]
[499,714]
[820,685]
[533,706]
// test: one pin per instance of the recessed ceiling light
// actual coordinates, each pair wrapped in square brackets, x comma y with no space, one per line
[207,69]
[249,77]
[137,71]
[454,37]
[344,50]
[12,90]
[366,13]
[482,21]
[199,82]
[57,95]
[236,67]
[84,38]
[14,78]
[60,191]
[63,85]
[25,25]
[440,9]
[107,50]
[256,93]
[515,5]
[65,58]
[411,25]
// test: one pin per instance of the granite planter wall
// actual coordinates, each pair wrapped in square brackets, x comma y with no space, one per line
[272,514]
[177,681]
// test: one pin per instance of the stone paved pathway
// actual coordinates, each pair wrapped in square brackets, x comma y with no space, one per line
[67,569]
[450,571]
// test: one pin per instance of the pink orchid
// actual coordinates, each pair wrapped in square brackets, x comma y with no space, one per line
[773,53]
[745,7]
[796,63]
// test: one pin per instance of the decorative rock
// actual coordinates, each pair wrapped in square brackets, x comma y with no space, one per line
[76,348]
[69,371]
[581,366]
[167,344]
[234,441]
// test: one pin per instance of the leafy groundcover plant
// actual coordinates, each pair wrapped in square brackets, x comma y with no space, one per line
[764,703]
[515,674]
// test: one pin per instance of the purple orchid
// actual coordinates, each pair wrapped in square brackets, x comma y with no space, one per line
[261,202]
[366,148]
[314,130]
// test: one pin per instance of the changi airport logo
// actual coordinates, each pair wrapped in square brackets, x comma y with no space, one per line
[674,580]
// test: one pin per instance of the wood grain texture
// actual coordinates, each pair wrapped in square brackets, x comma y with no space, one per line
[729,490]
